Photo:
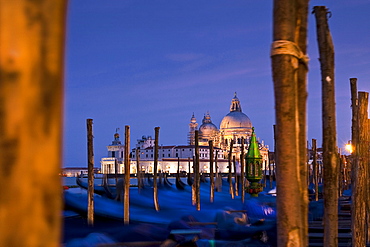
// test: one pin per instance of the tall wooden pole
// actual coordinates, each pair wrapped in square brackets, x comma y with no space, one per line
[90,173]
[218,177]
[242,171]
[196,172]
[231,188]
[289,68]
[126,195]
[315,169]
[31,121]
[330,153]
[211,175]
[359,202]
[301,41]
[155,187]
[354,129]
[138,170]
[270,170]
[236,191]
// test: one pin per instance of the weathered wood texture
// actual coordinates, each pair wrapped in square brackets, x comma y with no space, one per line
[155,186]
[31,105]
[289,70]
[90,172]
[330,150]
[359,201]
[126,195]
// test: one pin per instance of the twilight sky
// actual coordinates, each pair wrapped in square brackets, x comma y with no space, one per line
[148,63]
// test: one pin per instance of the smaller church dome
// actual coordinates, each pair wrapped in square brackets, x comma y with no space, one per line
[207,128]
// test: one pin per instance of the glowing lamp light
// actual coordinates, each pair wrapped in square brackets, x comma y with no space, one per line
[349,148]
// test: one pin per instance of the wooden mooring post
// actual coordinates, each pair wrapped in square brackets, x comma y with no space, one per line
[139,176]
[32,37]
[315,169]
[360,169]
[236,190]
[229,178]
[155,186]
[126,195]
[289,69]
[330,150]
[196,183]
[90,173]
[211,175]
[242,171]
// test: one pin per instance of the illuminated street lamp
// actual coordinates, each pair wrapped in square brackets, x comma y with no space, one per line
[349,147]
[253,161]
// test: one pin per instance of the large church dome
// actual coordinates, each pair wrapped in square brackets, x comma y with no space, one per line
[235,119]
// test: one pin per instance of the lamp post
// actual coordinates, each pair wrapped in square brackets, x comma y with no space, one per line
[253,163]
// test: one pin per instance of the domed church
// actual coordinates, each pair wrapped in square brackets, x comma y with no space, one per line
[235,127]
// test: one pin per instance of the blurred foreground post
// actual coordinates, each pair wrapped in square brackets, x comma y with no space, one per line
[31,105]
[90,173]
[289,69]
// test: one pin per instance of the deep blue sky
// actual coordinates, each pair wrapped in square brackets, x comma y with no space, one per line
[148,63]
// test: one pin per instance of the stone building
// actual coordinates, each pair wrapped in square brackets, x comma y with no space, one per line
[235,127]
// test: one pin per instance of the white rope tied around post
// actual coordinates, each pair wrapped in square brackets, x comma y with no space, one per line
[286,47]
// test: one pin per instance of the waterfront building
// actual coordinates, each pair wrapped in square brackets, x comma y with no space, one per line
[115,156]
[235,126]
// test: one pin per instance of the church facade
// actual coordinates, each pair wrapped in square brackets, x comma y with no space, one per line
[234,133]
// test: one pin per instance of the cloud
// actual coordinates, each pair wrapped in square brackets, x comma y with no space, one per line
[184,57]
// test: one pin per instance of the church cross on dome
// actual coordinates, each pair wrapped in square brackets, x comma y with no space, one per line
[235,104]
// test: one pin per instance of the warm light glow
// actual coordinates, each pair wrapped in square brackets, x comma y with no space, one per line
[349,148]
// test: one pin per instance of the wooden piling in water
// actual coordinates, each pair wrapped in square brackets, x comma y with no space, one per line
[289,68]
[211,175]
[242,171]
[330,150]
[218,177]
[126,195]
[155,186]
[270,170]
[90,173]
[139,177]
[315,169]
[229,178]
[196,172]
[31,121]
[360,169]
[236,191]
